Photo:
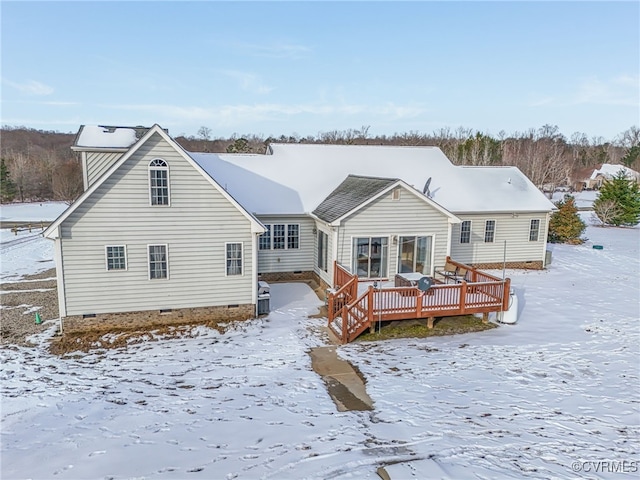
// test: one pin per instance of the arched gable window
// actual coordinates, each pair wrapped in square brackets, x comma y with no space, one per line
[158,182]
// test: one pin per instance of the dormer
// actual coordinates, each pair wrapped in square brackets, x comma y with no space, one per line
[101,146]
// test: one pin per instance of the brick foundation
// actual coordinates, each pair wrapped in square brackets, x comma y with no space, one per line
[537,265]
[153,318]
[301,276]
[309,277]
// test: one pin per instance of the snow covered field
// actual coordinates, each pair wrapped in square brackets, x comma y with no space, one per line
[552,396]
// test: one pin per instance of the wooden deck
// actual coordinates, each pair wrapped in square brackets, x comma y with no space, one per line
[351,314]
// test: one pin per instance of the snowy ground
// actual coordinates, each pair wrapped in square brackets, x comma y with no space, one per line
[24,251]
[520,401]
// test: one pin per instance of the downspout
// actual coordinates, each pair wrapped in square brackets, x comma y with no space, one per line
[62,306]
[254,272]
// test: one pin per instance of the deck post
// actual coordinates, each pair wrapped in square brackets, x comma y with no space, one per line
[330,306]
[419,305]
[485,317]
[463,297]
[505,294]
[430,321]
[370,300]
[345,324]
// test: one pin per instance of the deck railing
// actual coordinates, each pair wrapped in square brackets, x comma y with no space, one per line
[347,291]
[340,275]
[486,294]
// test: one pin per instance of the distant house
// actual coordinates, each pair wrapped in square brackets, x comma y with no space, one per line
[162,234]
[593,178]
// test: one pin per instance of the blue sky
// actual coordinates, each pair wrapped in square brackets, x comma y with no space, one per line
[272,68]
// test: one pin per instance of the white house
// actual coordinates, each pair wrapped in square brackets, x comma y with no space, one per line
[161,234]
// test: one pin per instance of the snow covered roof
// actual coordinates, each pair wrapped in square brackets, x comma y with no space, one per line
[255,192]
[102,136]
[609,171]
[296,178]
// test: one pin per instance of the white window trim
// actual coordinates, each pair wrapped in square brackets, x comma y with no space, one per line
[166,249]
[268,230]
[395,194]
[286,237]
[470,232]
[149,168]
[106,259]
[226,274]
[389,246]
[531,229]
[495,227]
[398,246]
[326,250]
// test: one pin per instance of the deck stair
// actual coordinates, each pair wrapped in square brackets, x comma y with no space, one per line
[350,315]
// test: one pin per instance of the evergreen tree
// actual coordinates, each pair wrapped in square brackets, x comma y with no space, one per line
[7,187]
[565,225]
[625,194]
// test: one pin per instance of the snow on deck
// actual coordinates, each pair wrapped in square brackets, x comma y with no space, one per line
[519,401]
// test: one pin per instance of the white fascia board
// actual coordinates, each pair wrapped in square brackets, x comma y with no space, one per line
[451,217]
[53,232]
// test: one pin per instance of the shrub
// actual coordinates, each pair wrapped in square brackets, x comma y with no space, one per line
[565,225]
[624,195]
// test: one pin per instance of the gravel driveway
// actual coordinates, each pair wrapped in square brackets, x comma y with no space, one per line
[21,300]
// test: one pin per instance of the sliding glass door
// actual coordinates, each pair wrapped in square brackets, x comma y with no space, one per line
[370,257]
[414,254]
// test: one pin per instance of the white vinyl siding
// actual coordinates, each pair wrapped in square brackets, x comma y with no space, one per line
[194,230]
[116,257]
[98,163]
[300,258]
[234,258]
[515,230]
[385,217]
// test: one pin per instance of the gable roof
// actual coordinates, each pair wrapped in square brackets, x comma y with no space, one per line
[52,230]
[313,171]
[351,193]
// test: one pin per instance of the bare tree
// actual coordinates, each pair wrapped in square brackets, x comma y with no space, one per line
[605,211]
[67,181]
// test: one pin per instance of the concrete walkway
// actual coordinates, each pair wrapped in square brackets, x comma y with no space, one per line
[345,385]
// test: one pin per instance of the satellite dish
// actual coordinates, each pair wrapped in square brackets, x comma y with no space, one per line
[425,190]
[424,284]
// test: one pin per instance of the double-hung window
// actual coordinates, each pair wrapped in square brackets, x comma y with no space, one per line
[158,182]
[234,258]
[264,242]
[465,231]
[534,230]
[158,262]
[280,237]
[489,231]
[116,256]
[293,236]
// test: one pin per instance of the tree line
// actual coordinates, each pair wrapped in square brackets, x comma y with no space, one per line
[39,165]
